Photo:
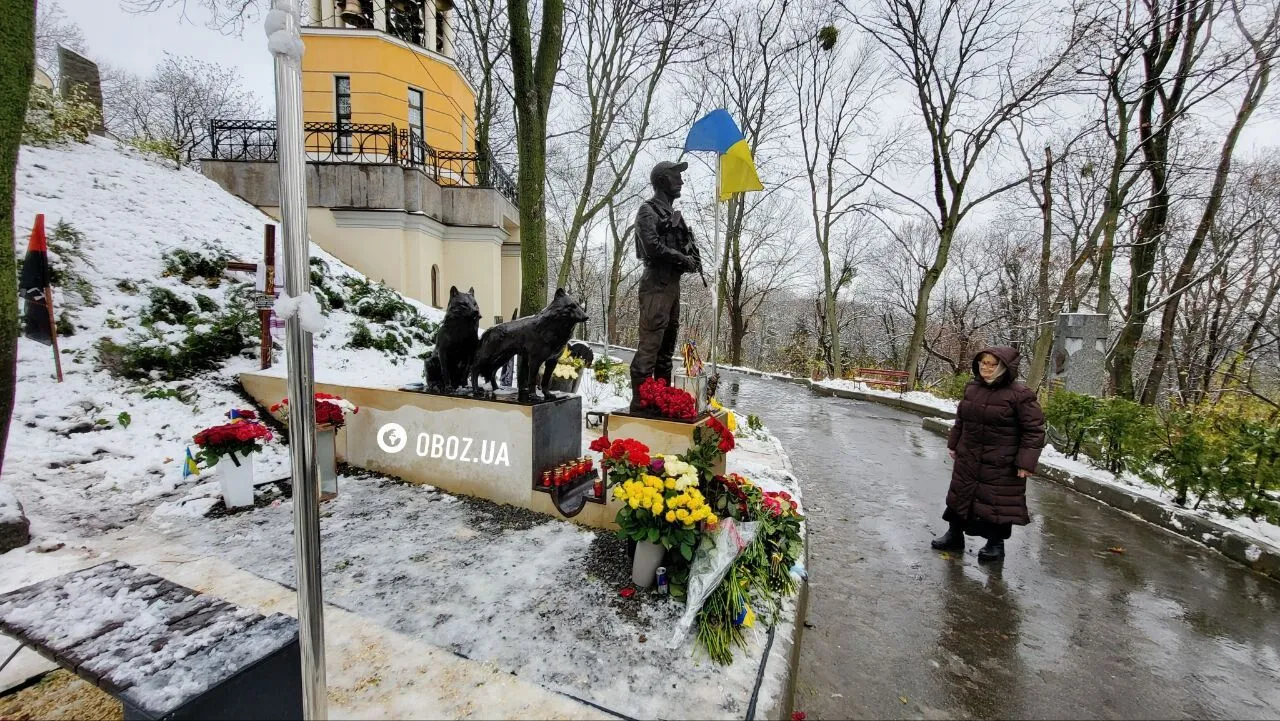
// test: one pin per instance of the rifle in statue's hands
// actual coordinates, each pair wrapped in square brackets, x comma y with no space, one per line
[687,245]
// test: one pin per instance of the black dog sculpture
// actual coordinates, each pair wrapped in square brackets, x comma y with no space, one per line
[537,339]
[456,343]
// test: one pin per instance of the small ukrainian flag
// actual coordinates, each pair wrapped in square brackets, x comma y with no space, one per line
[189,467]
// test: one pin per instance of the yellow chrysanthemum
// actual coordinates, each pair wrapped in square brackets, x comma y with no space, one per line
[682,515]
[670,484]
[671,516]
[656,508]
[731,423]
[633,502]
[712,518]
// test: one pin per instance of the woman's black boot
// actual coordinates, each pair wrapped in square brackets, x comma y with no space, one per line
[993,551]
[952,540]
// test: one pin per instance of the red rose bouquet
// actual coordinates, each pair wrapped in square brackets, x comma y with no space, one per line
[330,410]
[234,439]
[657,396]
[624,458]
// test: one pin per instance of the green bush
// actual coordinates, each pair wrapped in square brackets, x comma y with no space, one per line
[952,386]
[388,341]
[1071,417]
[190,265]
[1124,432]
[160,147]
[166,307]
[67,245]
[54,120]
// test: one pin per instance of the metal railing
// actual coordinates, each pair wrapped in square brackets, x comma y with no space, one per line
[375,144]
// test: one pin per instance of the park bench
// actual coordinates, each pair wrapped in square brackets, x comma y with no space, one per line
[164,650]
[880,378]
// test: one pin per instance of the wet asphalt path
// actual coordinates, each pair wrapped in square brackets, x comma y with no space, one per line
[1065,629]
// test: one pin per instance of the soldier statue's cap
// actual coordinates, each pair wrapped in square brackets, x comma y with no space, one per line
[664,166]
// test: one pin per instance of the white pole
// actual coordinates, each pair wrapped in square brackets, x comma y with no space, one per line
[715,273]
[286,45]
[608,279]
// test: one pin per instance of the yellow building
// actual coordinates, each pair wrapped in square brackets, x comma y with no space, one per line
[396,187]
[388,61]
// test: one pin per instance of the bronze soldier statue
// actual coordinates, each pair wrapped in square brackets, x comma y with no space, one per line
[665,245]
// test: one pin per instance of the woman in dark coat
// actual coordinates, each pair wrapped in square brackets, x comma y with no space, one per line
[996,444]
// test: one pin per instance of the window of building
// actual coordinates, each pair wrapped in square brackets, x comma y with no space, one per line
[417,132]
[342,112]
[435,286]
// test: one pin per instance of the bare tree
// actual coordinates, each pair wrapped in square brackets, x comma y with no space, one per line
[484,58]
[228,15]
[1263,38]
[175,104]
[974,68]
[745,74]
[836,90]
[620,53]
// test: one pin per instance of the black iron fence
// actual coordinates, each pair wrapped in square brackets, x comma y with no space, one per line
[255,141]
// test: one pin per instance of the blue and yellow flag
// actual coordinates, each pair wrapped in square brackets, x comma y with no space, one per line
[189,467]
[716,131]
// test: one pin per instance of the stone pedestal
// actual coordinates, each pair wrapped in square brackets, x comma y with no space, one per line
[1078,359]
[662,436]
[492,449]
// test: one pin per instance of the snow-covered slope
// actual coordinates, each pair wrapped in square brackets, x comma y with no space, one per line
[72,457]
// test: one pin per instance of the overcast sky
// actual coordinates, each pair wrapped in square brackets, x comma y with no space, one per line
[138,42]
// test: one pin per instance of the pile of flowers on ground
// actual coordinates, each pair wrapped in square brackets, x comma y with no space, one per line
[658,397]
[677,501]
[237,439]
[331,410]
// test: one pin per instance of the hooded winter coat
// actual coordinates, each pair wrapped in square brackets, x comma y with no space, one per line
[999,428]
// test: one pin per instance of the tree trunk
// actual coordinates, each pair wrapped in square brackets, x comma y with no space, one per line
[925,292]
[17,63]
[1044,309]
[534,79]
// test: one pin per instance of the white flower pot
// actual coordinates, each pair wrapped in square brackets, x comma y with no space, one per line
[644,565]
[236,481]
[327,460]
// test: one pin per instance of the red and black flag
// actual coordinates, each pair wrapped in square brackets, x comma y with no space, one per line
[33,285]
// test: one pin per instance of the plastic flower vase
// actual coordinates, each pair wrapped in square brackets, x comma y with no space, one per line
[235,479]
[327,460]
[644,565]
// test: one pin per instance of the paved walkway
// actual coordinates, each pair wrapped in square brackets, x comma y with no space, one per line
[1066,629]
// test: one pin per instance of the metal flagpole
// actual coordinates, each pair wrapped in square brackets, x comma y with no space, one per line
[715,274]
[286,45]
[608,278]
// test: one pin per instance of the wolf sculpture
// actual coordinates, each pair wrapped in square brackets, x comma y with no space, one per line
[456,343]
[536,339]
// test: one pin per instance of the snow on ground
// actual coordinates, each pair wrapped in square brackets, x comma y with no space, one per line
[920,397]
[72,458]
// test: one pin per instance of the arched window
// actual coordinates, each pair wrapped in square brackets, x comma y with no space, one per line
[435,286]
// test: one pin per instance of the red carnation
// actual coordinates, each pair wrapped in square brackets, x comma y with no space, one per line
[600,444]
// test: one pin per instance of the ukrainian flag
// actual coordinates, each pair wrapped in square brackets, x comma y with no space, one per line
[189,467]
[717,132]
